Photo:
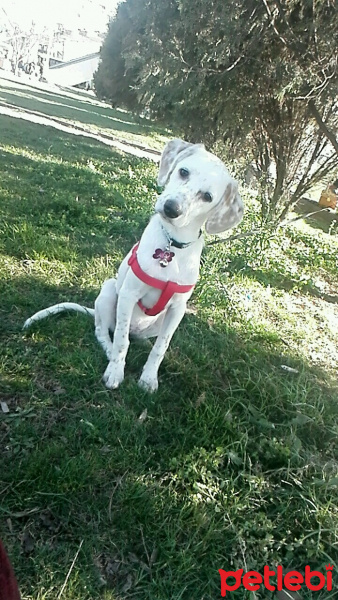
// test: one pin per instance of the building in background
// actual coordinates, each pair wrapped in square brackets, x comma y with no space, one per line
[58,43]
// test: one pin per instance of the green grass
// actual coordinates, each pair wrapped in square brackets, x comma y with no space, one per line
[235,465]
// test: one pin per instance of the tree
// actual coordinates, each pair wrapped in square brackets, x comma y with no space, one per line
[114,79]
[258,76]
[22,43]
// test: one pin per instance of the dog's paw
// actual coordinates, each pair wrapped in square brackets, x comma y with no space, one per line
[147,383]
[113,376]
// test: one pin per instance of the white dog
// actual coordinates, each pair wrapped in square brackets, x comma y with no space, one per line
[156,279]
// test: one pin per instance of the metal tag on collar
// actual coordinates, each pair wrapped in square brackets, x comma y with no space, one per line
[165,256]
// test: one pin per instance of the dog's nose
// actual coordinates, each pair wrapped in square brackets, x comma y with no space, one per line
[172,209]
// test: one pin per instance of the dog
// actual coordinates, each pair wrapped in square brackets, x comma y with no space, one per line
[156,279]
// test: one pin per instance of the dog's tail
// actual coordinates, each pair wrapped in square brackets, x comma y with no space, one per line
[57,308]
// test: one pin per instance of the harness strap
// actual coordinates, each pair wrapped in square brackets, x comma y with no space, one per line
[169,288]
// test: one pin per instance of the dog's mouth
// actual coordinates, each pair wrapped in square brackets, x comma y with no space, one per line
[164,216]
[172,221]
[160,211]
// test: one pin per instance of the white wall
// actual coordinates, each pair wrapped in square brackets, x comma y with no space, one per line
[73,72]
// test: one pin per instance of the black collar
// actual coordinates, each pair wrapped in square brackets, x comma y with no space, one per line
[180,245]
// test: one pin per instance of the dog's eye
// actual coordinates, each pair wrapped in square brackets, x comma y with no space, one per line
[207,197]
[184,173]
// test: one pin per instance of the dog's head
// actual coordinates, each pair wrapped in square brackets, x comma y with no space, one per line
[197,189]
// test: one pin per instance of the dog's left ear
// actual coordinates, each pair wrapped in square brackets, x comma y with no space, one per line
[173,152]
[229,211]
[170,152]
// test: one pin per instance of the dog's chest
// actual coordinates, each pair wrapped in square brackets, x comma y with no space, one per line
[182,266]
[182,269]
[150,298]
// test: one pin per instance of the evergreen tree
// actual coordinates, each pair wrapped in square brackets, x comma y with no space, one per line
[258,75]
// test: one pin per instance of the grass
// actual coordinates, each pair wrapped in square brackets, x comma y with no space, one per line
[235,464]
[81,109]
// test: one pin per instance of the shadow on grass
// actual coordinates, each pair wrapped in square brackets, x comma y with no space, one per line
[272,277]
[59,204]
[325,221]
[86,111]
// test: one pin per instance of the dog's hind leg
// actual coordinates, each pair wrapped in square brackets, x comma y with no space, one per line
[105,315]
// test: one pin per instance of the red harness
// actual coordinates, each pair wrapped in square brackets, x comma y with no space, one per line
[169,288]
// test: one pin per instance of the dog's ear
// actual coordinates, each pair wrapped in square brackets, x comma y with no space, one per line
[171,150]
[229,211]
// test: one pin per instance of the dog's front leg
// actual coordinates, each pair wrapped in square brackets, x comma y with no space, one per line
[114,373]
[172,319]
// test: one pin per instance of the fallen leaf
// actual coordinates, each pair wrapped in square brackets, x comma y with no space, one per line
[128,583]
[200,399]
[58,391]
[153,556]
[105,449]
[143,416]
[289,369]
[300,419]
[112,567]
[234,458]
[133,558]
[27,543]
[144,567]
[48,521]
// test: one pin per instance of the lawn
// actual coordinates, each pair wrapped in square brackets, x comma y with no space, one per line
[231,464]
[82,110]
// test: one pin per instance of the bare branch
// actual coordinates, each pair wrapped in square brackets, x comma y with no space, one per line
[314,92]
[272,23]
[322,126]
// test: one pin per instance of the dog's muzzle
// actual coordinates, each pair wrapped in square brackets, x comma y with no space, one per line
[172,209]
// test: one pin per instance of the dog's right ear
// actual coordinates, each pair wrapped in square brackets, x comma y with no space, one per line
[168,158]
[228,213]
